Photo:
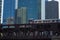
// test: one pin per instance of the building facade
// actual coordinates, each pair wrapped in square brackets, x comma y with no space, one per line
[21,15]
[51,10]
[32,7]
[0,9]
[8,10]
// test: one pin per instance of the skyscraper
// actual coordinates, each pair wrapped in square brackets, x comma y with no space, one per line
[32,7]
[21,17]
[1,10]
[8,10]
[51,10]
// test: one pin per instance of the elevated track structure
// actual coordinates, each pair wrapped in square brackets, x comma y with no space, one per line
[30,31]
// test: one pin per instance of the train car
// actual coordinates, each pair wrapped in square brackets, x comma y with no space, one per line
[44,21]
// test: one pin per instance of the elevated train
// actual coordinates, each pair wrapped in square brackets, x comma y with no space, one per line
[39,21]
[32,30]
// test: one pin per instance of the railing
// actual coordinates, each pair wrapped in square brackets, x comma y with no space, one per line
[29,31]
